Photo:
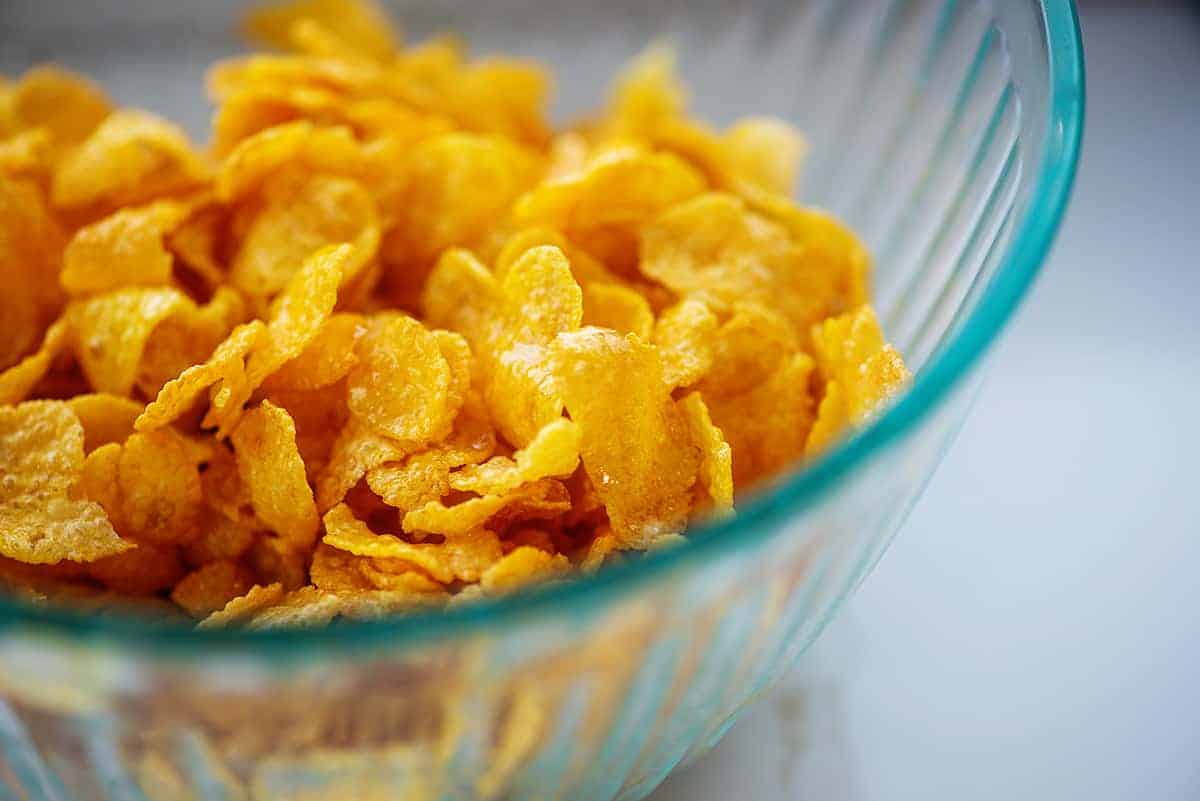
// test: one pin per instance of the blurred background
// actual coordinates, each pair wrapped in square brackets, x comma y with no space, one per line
[1034,631]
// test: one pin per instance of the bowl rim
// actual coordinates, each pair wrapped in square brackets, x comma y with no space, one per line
[758,519]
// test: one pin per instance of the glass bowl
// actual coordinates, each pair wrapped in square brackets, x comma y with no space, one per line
[946,133]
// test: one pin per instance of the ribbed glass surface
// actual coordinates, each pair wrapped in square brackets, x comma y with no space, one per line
[946,133]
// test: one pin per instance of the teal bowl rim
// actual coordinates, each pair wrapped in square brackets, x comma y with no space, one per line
[757,519]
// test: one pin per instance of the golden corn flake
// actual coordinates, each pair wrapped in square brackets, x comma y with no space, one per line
[463,295]
[224,372]
[826,242]
[253,351]
[851,350]
[187,337]
[314,38]
[41,464]
[310,607]
[358,450]
[766,151]
[422,478]
[244,607]
[105,418]
[647,92]
[326,360]
[747,349]
[275,560]
[754,154]
[197,242]
[319,415]
[716,462]
[463,558]
[19,381]
[568,152]
[123,250]
[397,575]
[335,570]
[457,187]
[636,445]
[225,494]
[434,517]
[618,307]
[704,148]
[251,109]
[523,567]
[685,336]
[31,243]
[200,449]
[112,330]
[620,186]
[401,385]
[532,537]
[300,311]
[425,476]
[162,500]
[66,106]
[248,106]
[130,157]
[584,267]
[530,501]
[318,148]
[457,354]
[359,25]
[226,79]
[553,452]
[271,467]
[540,300]
[100,481]
[25,153]
[208,589]
[604,546]
[541,297]
[861,372]
[145,569]
[297,214]
[713,247]
[220,539]
[421,68]
[306,607]
[392,339]
[501,96]
[767,425]
[509,327]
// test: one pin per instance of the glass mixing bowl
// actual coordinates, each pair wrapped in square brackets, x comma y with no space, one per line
[946,133]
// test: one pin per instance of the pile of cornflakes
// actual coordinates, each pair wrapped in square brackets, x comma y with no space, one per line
[393,340]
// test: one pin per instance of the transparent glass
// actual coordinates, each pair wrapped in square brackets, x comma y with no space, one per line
[947,133]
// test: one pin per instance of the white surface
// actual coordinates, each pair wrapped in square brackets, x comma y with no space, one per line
[1034,633]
